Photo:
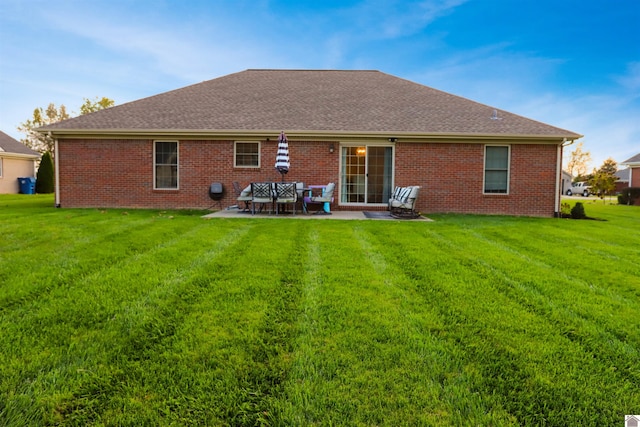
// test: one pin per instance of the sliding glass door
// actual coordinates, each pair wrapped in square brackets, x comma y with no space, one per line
[366,174]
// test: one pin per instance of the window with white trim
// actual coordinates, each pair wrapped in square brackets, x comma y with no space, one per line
[247,154]
[165,168]
[496,169]
[1,167]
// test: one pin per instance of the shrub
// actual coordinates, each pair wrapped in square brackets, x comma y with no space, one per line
[44,178]
[565,210]
[629,196]
[577,212]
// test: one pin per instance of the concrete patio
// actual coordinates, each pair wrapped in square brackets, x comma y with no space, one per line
[335,215]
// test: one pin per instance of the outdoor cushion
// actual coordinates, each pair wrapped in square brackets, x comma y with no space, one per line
[403,201]
[404,194]
[396,192]
[328,191]
[246,192]
[413,193]
[327,194]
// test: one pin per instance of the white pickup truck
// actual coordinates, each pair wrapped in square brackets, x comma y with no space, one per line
[579,188]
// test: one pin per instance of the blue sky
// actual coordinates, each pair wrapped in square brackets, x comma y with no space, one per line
[574,64]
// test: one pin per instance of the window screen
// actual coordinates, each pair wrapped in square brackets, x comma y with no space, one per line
[496,169]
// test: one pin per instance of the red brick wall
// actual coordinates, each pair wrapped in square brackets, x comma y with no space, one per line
[119,173]
[451,176]
[635,177]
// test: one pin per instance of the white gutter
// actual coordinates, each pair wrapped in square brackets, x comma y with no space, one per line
[9,155]
[558,178]
[301,134]
[559,173]
[57,172]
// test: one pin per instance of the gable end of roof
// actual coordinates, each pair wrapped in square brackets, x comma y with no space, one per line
[10,145]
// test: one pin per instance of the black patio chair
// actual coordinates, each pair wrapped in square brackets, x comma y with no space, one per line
[261,192]
[286,193]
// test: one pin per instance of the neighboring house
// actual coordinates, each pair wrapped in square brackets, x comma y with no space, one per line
[634,170]
[566,182]
[16,161]
[367,131]
[622,179]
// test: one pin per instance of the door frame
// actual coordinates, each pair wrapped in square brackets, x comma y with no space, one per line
[366,144]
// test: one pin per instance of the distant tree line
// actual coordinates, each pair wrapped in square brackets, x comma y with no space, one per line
[601,180]
[44,144]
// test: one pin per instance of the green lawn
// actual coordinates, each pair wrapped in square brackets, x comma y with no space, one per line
[138,317]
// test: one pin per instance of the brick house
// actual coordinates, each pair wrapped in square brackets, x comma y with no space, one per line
[16,161]
[622,179]
[367,131]
[633,165]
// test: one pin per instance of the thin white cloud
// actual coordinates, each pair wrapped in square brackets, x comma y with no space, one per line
[392,19]
[517,82]
[608,122]
[490,74]
[190,51]
[631,80]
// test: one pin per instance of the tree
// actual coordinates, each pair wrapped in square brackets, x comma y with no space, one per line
[603,180]
[37,141]
[578,161]
[44,177]
[602,183]
[609,167]
[95,105]
[44,143]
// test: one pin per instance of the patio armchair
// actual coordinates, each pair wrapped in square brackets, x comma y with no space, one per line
[325,199]
[285,193]
[261,192]
[243,196]
[402,203]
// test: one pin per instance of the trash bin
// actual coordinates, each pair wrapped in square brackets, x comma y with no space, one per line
[27,185]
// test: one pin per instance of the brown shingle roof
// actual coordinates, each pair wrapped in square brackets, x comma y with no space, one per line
[10,145]
[311,100]
[633,160]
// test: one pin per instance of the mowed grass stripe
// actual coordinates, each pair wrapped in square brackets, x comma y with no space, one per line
[564,286]
[333,377]
[123,261]
[190,375]
[224,356]
[499,331]
[74,252]
[442,363]
[466,320]
[342,377]
[427,269]
[102,319]
[601,317]
[299,388]
[555,244]
[575,304]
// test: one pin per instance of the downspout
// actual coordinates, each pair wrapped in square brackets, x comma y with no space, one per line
[56,169]
[559,176]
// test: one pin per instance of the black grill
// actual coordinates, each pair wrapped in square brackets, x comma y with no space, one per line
[216,191]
